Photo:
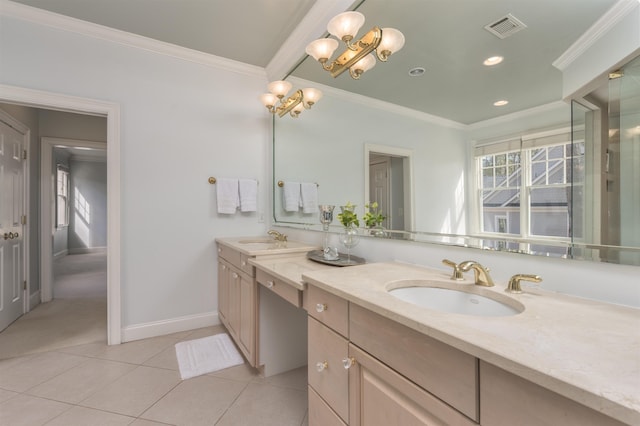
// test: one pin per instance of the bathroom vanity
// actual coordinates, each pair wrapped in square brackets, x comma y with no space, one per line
[374,358]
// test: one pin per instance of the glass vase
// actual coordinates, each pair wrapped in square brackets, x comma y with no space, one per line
[350,238]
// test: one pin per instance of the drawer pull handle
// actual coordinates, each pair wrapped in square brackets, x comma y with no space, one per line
[321,366]
[321,307]
[348,362]
[270,284]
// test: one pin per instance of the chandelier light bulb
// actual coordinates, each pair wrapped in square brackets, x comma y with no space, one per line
[311,95]
[321,49]
[346,25]
[279,88]
[362,66]
[392,41]
[269,100]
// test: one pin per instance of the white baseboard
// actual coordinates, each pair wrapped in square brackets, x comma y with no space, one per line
[34,300]
[174,325]
[60,254]
[86,250]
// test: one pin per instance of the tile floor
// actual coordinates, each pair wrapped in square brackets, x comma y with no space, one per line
[138,384]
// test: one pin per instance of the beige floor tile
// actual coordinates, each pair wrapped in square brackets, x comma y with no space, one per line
[88,349]
[266,405]
[198,401]
[204,332]
[134,392]
[5,394]
[165,359]
[20,374]
[242,373]
[295,379]
[81,416]
[82,381]
[30,411]
[136,352]
[143,422]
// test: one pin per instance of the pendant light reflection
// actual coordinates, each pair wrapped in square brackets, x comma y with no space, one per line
[300,100]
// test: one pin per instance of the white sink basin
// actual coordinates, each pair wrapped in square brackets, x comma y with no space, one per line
[433,295]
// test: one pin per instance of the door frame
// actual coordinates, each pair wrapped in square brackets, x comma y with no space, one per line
[47,203]
[407,163]
[26,137]
[110,110]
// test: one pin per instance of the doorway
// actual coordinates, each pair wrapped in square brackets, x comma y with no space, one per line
[111,111]
[388,181]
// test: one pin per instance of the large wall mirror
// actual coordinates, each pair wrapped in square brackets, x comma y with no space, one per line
[539,175]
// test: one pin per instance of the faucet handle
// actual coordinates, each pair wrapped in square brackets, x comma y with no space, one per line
[514,282]
[457,272]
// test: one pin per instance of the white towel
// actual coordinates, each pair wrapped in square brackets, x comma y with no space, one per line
[309,195]
[227,194]
[248,195]
[291,196]
[206,355]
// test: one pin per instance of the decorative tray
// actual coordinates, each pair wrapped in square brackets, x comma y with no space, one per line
[343,259]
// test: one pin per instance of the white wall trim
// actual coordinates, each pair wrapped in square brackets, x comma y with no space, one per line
[376,103]
[87,250]
[164,327]
[504,119]
[595,33]
[66,23]
[60,254]
[40,99]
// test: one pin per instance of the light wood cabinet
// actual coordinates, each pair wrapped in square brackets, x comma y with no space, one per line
[237,302]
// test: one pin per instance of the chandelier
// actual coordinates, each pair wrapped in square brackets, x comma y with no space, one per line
[358,57]
[302,99]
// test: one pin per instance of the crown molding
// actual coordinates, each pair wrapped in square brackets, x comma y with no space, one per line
[378,104]
[311,27]
[89,29]
[601,27]
[503,119]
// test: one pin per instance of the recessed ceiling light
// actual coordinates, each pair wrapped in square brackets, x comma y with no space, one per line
[494,60]
[417,71]
[502,102]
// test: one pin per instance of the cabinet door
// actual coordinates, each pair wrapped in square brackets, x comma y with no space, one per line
[223,292]
[247,328]
[380,396]
[233,314]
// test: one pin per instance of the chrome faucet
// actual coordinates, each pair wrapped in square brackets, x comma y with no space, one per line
[277,236]
[482,276]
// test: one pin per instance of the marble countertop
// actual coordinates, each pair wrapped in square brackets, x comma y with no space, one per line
[259,246]
[289,269]
[585,350]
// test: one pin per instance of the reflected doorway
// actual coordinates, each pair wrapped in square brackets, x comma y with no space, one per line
[388,182]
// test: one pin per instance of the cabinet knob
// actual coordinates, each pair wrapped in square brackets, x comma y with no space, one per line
[244,263]
[224,267]
[321,366]
[348,362]
[219,250]
[270,284]
[321,307]
[235,275]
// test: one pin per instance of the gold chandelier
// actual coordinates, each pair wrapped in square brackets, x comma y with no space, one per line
[302,99]
[358,58]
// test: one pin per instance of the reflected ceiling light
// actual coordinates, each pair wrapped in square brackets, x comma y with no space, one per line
[502,102]
[358,58]
[494,60]
[302,99]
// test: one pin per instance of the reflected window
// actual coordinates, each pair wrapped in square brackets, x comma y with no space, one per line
[526,192]
[62,196]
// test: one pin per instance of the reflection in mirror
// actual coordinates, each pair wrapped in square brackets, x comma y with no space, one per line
[551,193]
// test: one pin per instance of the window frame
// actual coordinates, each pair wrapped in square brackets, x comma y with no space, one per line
[62,192]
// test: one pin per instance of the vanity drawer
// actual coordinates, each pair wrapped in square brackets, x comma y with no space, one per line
[331,310]
[440,369]
[246,267]
[320,414]
[230,255]
[279,287]
[326,372]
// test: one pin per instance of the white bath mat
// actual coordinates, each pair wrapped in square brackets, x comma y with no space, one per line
[206,355]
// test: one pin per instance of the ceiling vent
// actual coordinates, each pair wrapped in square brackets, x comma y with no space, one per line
[505,26]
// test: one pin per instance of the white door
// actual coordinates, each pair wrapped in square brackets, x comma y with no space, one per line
[379,188]
[11,228]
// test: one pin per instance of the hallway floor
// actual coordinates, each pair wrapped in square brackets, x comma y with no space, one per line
[57,380]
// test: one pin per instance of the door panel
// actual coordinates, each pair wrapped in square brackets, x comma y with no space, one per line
[11,228]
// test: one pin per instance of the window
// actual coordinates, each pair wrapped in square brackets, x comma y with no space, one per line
[524,186]
[62,196]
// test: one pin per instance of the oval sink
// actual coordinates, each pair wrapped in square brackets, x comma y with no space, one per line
[457,301]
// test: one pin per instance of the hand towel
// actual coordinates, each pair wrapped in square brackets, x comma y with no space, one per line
[309,194]
[227,195]
[291,196]
[248,195]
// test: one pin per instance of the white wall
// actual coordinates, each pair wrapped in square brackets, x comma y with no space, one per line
[88,183]
[181,122]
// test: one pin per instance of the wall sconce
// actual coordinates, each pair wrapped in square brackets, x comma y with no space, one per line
[294,104]
[358,57]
